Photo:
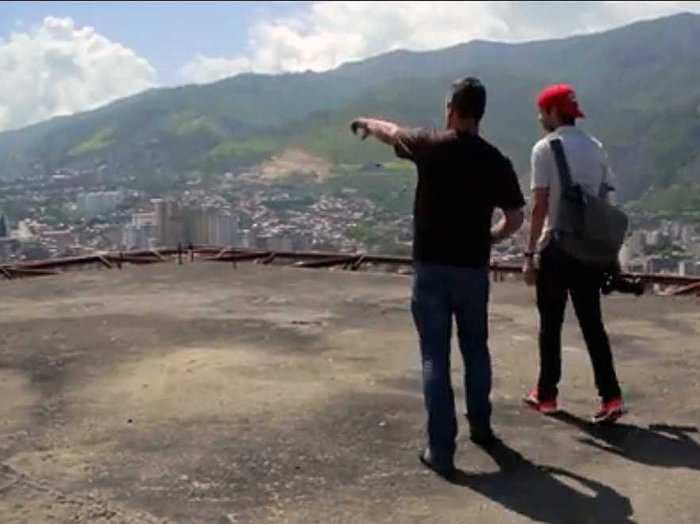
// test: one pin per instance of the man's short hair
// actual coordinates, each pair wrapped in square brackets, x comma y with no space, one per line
[468,98]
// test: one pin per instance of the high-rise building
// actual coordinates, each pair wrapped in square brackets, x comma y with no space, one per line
[138,237]
[686,235]
[175,225]
[160,219]
[3,227]
[687,268]
[694,247]
[130,235]
[652,238]
[638,242]
[169,223]
[223,229]
[97,203]
[207,225]
[196,225]
[141,233]
[143,219]
[246,239]
[675,230]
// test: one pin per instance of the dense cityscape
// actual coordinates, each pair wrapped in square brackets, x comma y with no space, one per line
[72,213]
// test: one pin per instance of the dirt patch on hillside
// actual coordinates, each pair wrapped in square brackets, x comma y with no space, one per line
[295,162]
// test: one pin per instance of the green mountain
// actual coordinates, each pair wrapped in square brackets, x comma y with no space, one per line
[638,85]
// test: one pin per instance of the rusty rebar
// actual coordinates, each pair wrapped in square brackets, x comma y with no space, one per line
[309,259]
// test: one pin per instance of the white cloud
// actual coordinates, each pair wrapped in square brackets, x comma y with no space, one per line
[59,69]
[329,33]
[203,69]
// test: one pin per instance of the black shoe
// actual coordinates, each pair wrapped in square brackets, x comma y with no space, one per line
[446,469]
[484,438]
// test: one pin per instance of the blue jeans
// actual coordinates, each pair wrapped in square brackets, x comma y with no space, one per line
[439,293]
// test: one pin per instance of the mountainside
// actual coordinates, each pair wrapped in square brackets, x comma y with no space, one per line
[638,84]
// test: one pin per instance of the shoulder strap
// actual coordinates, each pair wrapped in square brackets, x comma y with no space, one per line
[562,165]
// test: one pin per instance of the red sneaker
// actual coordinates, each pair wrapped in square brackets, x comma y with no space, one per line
[609,411]
[546,407]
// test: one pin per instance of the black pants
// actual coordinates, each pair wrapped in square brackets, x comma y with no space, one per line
[559,276]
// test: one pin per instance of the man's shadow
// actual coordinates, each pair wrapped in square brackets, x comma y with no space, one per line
[540,493]
[658,445]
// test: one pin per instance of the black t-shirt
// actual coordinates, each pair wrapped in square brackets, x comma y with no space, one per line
[461,179]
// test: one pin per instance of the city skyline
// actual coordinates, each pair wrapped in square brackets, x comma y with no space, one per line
[261,216]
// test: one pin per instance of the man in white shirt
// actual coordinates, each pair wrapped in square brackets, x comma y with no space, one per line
[558,275]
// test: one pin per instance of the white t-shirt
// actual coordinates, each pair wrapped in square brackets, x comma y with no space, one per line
[588,164]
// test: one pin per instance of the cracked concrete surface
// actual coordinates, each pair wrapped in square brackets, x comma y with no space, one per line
[200,393]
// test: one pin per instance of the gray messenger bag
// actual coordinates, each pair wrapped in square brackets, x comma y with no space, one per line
[589,228]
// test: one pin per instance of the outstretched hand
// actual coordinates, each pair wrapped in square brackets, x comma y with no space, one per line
[383,130]
[360,126]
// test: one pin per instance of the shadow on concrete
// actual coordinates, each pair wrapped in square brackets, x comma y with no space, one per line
[658,445]
[546,494]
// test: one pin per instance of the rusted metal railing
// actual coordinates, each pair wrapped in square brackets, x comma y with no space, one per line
[298,259]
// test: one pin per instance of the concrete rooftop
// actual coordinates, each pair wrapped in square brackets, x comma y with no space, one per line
[200,393]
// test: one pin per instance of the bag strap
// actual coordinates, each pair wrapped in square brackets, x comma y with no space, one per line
[568,189]
[567,182]
[604,190]
[562,165]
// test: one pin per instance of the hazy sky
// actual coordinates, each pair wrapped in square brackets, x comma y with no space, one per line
[63,57]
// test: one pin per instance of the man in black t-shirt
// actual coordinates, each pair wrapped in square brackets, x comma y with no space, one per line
[461,180]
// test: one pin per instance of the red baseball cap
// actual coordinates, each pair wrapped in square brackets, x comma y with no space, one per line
[561,96]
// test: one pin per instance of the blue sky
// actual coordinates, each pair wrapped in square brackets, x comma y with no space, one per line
[59,58]
[168,34]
